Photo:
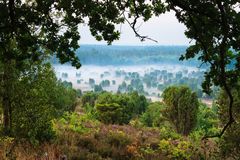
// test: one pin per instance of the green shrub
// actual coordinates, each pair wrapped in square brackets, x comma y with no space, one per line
[119,108]
[208,120]
[153,116]
[89,98]
[109,113]
[168,133]
[136,123]
[181,149]
[76,123]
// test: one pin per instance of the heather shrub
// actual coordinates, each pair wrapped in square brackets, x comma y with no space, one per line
[118,139]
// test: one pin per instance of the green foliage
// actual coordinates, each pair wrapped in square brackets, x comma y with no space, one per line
[67,84]
[218,47]
[207,120]
[89,98]
[114,108]
[119,108]
[40,35]
[153,117]
[33,30]
[64,99]
[182,107]
[229,144]
[110,113]
[221,55]
[74,122]
[136,123]
[79,93]
[38,99]
[169,133]
[140,103]
[32,110]
[176,149]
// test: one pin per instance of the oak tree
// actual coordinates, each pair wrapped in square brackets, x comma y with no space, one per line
[31,30]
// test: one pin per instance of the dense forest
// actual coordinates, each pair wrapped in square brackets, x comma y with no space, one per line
[131,55]
[45,117]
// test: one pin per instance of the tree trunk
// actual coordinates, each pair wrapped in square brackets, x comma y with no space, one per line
[7,84]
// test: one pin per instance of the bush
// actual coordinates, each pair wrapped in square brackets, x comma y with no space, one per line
[119,108]
[153,116]
[75,123]
[207,120]
[180,149]
[110,113]
[89,98]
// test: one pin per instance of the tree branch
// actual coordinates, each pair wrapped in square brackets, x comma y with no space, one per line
[223,50]
[133,25]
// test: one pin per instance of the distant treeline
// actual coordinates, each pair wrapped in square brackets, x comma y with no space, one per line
[131,55]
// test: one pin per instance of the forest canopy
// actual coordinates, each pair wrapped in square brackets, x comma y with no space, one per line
[131,55]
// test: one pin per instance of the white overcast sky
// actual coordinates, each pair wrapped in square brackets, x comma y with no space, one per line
[165,29]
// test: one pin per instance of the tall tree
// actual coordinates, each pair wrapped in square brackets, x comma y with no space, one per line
[182,107]
[214,25]
[31,30]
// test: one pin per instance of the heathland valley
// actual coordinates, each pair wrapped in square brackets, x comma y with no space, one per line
[123,69]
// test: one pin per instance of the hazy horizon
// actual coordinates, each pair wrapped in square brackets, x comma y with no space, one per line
[134,45]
